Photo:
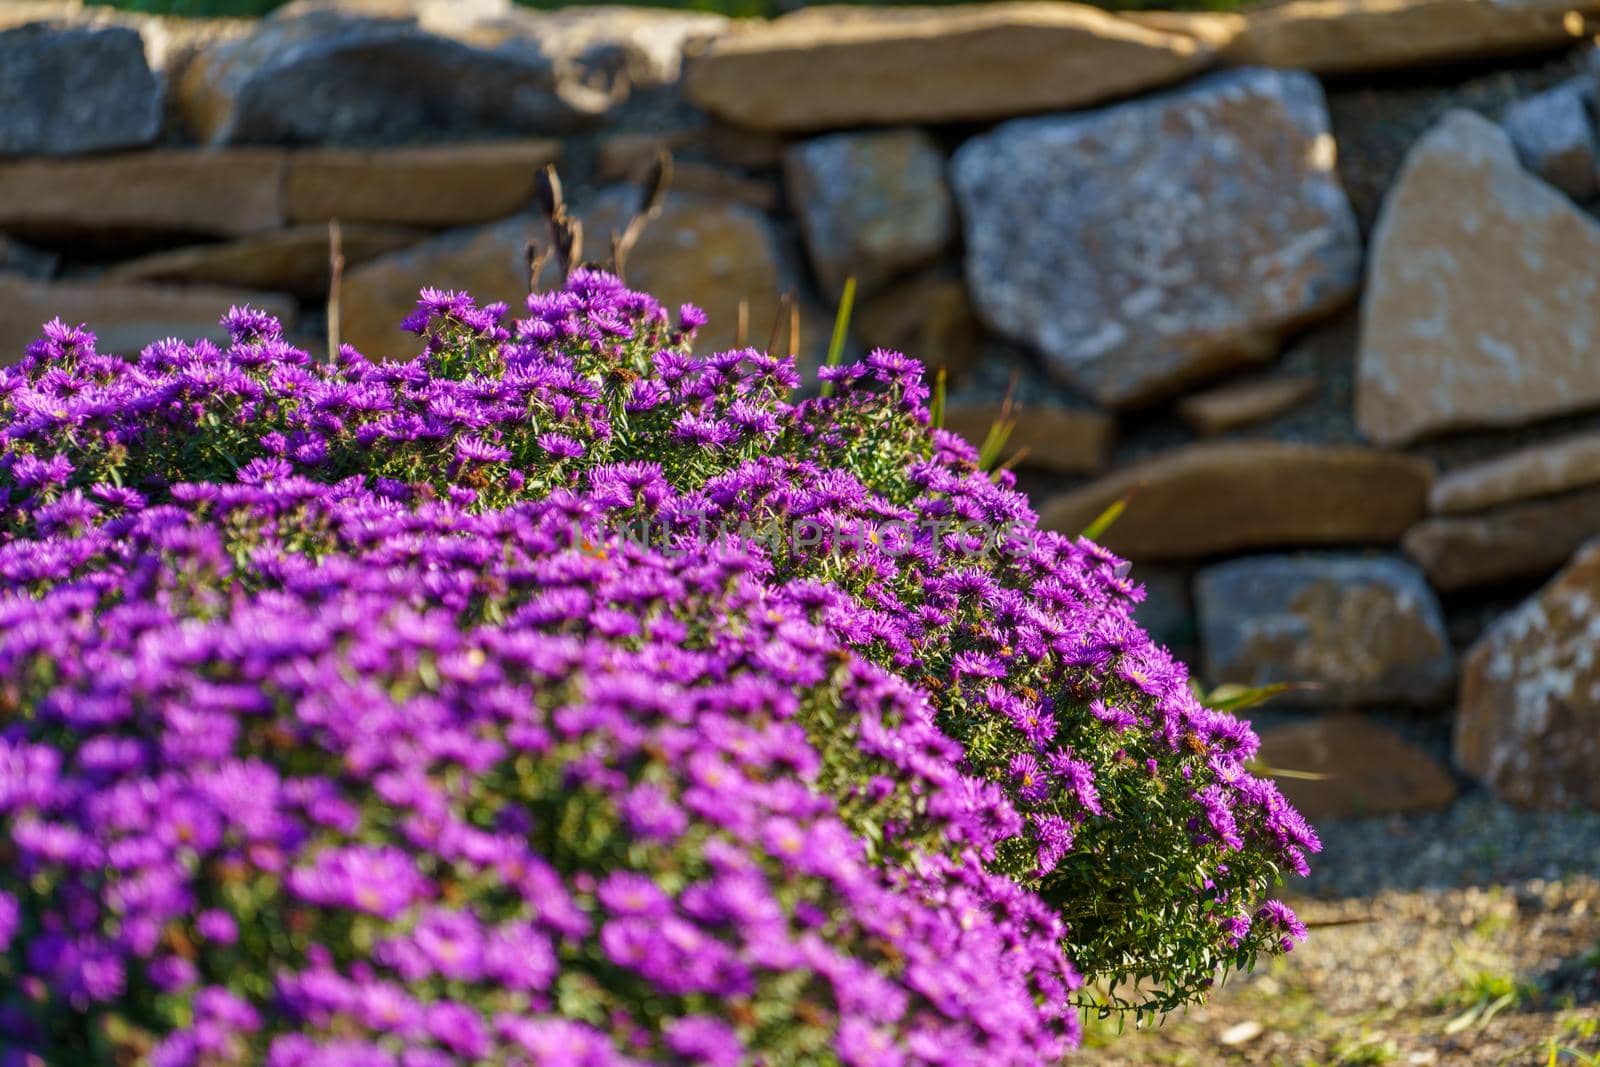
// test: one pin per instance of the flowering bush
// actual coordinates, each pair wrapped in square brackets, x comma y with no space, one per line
[488,706]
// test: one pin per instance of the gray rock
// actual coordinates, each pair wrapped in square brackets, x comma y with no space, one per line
[1363,630]
[1554,137]
[1148,244]
[69,89]
[323,78]
[872,205]
[24,260]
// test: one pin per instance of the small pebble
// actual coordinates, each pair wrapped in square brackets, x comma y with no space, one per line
[1240,1033]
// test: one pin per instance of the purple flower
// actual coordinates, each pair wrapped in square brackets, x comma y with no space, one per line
[560,445]
[380,881]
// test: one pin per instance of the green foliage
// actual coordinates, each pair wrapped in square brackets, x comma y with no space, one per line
[1145,891]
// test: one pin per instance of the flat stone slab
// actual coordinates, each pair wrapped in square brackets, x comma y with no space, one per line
[1211,498]
[1349,36]
[828,67]
[1522,540]
[1482,305]
[436,185]
[1239,404]
[1542,470]
[1367,769]
[1529,722]
[1147,245]
[1360,630]
[178,191]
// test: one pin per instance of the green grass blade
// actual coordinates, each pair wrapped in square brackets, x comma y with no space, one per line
[936,411]
[1238,697]
[1103,521]
[841,329]
[994,442]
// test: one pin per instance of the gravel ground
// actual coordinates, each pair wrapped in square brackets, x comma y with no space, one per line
[1470,937]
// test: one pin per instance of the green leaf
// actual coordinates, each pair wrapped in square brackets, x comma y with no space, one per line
[841,329]
[1232,697]
[1103,521]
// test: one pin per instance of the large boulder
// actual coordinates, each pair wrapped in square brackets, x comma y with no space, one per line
[1357,768]
[872,205]
[322,78]
[124,316]
[68,89]
[435,185]
[1152,243]
[1349,36]
[163,192]
[1482,306]
[1529,723]
[1540,470]
[1529,539]
[1211,498]
[1360,630]
[827,67]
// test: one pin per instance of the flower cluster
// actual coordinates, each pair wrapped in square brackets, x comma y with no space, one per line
[305,774]
[935,767]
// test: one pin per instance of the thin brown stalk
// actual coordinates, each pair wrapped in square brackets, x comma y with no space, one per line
[335,283]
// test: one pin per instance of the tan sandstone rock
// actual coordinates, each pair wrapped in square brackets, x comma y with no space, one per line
[180,191]
[1345,36]
[294,260]
[1367,768]
[1523,540]
[1542,470]
[1207,499]
[1228,407]
[1529,723]
[125,317]
[1482,305]
[826,67]
[437,185]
